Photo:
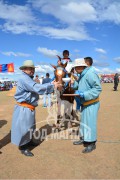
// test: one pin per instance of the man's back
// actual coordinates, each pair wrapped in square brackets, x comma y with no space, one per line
[46,80]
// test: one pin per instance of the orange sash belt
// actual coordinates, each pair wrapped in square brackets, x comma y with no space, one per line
[31,107]
[90,101]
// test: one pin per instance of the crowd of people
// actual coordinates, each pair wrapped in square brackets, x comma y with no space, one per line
[87,87]
[6,85]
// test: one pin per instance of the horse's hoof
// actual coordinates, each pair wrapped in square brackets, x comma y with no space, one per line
[70,132]
[57,126]
[58,121]
[56,129]
[54,125]
[69,125]
[59,117]
[67,116]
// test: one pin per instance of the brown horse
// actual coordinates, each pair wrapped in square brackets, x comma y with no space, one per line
[60,73]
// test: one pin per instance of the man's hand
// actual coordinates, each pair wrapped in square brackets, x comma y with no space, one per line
[79,93]
[72,81]
[56,84]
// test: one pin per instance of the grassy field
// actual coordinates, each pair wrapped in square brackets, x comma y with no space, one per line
[60,159]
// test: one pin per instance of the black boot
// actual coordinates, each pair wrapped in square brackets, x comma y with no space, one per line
[24,150]
[80,142]
[27,152]
[89,148]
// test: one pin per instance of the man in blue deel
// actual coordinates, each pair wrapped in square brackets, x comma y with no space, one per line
[27,95]
[89,89]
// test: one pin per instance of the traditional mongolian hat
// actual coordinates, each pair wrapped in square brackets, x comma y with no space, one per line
[79,62]
[27,63]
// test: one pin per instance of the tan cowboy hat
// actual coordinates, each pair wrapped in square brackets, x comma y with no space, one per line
[27,63]
[79,62]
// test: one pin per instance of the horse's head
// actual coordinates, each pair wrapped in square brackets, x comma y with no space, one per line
[59,74]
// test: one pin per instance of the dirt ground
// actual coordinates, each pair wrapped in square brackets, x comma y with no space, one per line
[59,158]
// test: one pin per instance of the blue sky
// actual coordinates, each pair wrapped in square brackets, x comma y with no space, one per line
[41,29]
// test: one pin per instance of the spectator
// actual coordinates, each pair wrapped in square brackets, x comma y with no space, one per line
[46,95]
[116,81]
[89,89]
[27,95]
[41,79]
[89,62]
[11,86]
[37,79]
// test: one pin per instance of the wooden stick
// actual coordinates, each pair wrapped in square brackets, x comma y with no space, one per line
[70,95]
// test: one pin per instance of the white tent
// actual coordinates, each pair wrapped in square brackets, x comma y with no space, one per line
[5,80]
[1,80]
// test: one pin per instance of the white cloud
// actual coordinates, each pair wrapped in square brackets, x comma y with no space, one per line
[118,70]
[76,50]
[100,50]
[112,13]
[117,59]
[97,70]
[48,52]
[44,69]
[76,11]
[66,18]
[70,33]
[70,12]
[18,28]
[103,57]
[23,54]
[107,70]
[17,54]
[67,33]
[100,63]
[15,13]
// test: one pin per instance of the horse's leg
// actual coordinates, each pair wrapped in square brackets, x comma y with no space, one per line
[58,104]
[70,115]
[72,112]
[64,120]
[58,109]
[63,117]
[67,117]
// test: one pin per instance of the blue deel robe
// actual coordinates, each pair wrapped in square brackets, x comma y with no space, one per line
[23,122]
[89,84]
